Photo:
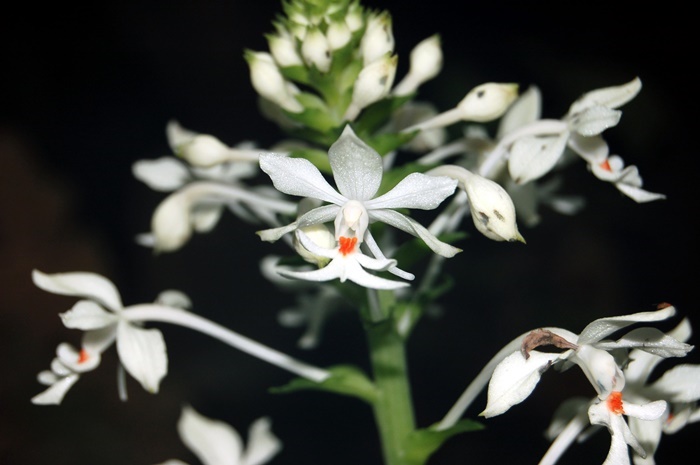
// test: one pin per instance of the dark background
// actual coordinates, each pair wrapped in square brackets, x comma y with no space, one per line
[88,90]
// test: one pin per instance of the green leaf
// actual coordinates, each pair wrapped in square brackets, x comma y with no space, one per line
[422,443]
[344,379]
[378,114]
[297,73]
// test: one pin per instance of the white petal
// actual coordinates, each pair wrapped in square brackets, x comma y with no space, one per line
[298,176]
[595,120]
[618,453]
[97,340]
[414,228]
[54,394]
[648,433]
[357,168]
[416,190]
[87,315]
[355,273]
[164,174]
[650,411]
[213,442]
[600,368]
[143,354]
[679,384]
[262,444]
[526,109]
[47,377]
[603,327]
[639,195]
[514,379]
[611,97]
[533,157]
[593,149]
[649,340]
[80,284]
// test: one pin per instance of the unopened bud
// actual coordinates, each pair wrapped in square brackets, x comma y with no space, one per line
[283,49]
[269,82]
[320,235]
[338,34]
[378,39]
[426,63]
[316,50]
[170,224]
[487,101]
[372,84]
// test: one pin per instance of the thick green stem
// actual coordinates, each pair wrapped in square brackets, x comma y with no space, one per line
[393,409]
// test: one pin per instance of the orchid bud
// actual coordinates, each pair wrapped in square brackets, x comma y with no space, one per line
[492,209]
[354,18]
[269,82]
[320,235]
[171,224]
[316,50]
[372,84]
[203,150]
[283,49]
[378,39]
[338,34]
[487,101]
[426,63]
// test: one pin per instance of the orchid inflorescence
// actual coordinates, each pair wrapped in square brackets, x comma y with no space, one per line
[348,192]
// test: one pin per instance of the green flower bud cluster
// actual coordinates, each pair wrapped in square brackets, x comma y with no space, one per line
[329,63]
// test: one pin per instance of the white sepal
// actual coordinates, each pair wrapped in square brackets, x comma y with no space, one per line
[514,379]
[143,354]
[80,284]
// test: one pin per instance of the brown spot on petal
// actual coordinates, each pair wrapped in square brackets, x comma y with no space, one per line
[498,215]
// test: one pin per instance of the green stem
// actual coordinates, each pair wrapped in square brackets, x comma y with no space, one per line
[393,409]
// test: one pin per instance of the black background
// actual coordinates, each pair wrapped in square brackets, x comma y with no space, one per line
[88,90]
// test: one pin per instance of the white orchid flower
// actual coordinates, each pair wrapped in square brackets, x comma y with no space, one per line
[357,171]
[347,262]
[217,443]
[610,411]
[518,373]
[141,351]
[679,386]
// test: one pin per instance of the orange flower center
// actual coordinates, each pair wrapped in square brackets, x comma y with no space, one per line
[605,164]
[615,403]
[347,244]
[83,356]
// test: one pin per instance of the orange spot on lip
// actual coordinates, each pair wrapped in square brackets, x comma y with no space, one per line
[605,164]
[347,244]
[615,403]
[83,356]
